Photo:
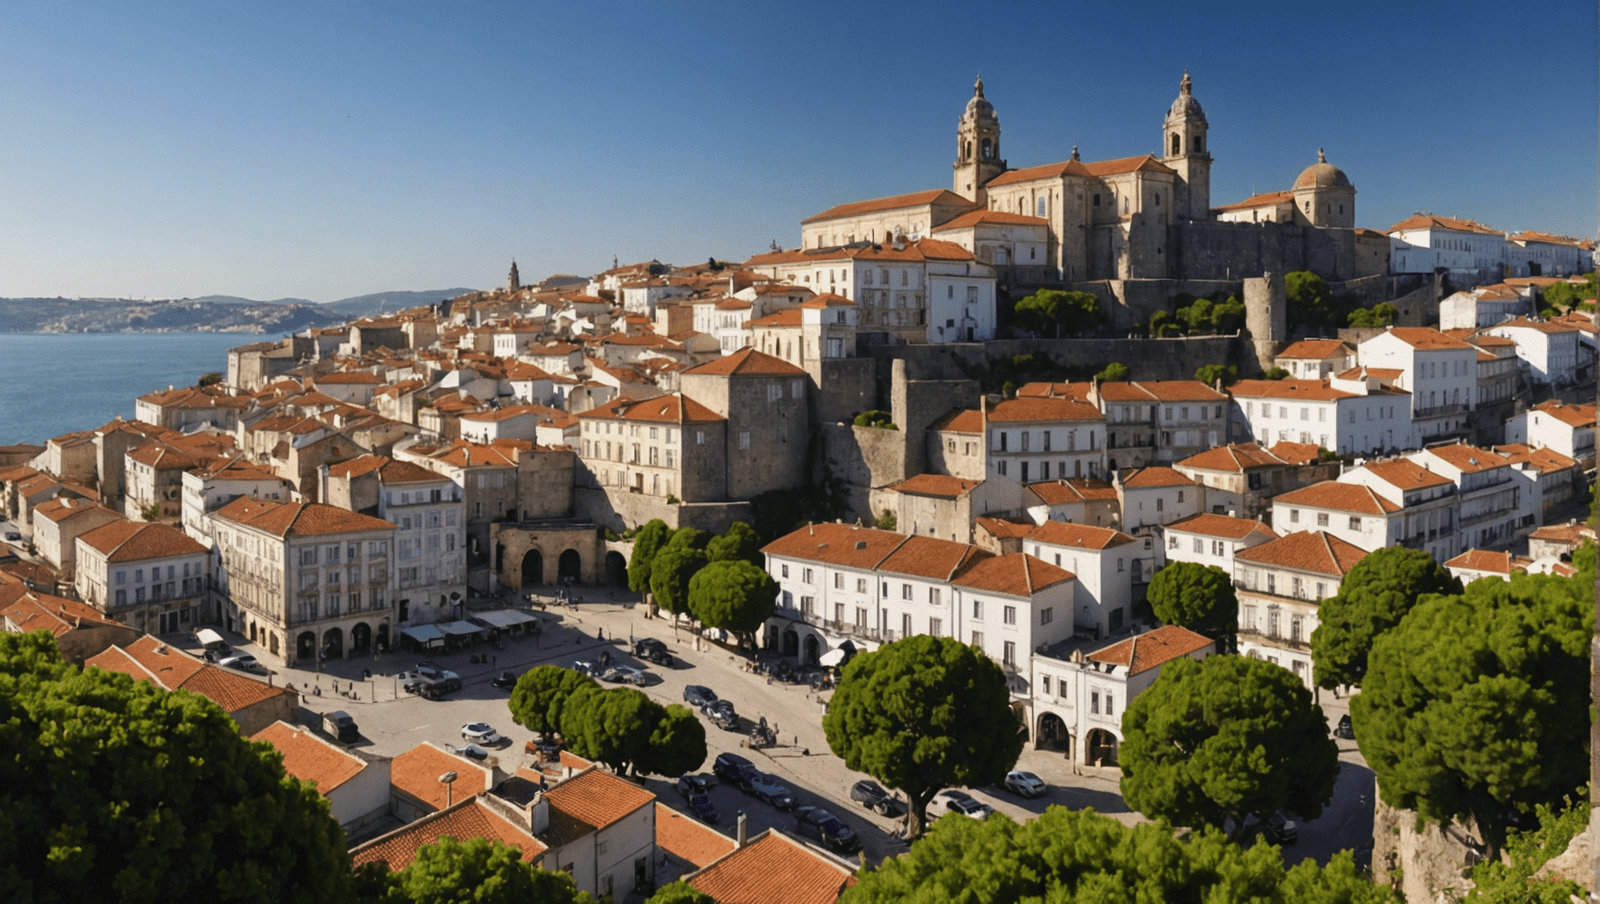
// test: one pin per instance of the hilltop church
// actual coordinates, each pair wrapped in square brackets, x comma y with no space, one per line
[1137,228]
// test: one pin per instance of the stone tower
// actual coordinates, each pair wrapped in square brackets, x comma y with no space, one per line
[514,281]
[1183,145]
[1324,196]
[977,147]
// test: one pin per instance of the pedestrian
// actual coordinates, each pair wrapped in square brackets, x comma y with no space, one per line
[600,633]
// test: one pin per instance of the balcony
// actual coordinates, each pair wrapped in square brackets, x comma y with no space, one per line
[1438,411]
[1274,640]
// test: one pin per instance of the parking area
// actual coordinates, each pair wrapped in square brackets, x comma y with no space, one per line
[392,721]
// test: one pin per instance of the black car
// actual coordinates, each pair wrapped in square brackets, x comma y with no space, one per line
[872,796]
[1345,729]
[722,715]
[505,680]
[767,789]
[1281,828]
[652,650]
[700,804]
[834,835]
[699,696]
[546,747]
[736,770]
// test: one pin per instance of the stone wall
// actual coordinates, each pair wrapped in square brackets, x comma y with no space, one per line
[842,388]
[1218,250]
[545,478]
[915,404]
[1149,359]
[859,460]
[1428,867]
[619,510]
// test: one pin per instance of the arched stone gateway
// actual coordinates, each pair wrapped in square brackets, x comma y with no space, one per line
[383,637]
[1052,734]
[532,569]
[1102,747]
[616,569]
[791,642]
[812,651]
[305,647]
[570,567]
[361,638]
[333,644]
[272,644]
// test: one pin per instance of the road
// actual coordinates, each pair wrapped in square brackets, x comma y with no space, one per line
[392,722]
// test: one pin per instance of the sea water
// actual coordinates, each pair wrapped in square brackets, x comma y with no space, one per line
[58,383]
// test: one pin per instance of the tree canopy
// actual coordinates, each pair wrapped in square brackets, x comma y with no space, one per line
[1477,705]
[1115,372]
[1209,374]
[474,871]
[670,574]
[922,714]
[739,541]
[1372,598]
[1226,738]
[114,789]
[1198,597]
[677,743]
[1081,857]
[688,538]
[1067,313]
[646,543]
[735,596]
[1379,315]
[541,693]
[680,893]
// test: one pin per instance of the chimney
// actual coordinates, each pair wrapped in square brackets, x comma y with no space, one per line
[741,835]
[538,813]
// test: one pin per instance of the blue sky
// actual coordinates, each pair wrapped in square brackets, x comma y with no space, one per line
[329,149]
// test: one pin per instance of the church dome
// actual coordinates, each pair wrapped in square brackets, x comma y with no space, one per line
[979,107]
[1186,107]
[1322,174]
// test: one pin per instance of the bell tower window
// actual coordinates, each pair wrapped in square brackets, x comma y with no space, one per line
[1199,144]
[987,149]
[1177,144]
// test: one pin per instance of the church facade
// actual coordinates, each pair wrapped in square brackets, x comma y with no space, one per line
[1079,223]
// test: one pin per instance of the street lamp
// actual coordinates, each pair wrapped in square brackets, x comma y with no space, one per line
[447,780]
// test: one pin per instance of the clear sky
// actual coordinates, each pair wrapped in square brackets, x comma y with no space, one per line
[328,149]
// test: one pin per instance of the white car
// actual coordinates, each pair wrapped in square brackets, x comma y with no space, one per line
[624,674]
[952,801]
[244,662]
[482,732]
[1025,784]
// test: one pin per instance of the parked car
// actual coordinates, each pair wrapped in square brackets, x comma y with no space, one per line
[953,801]
[1025,784]
[721,714]
[13,537]
[1346,729]
[433,673]
[698,696]
[244,662]
[651,650]
[432,688]
[690,785]
[871,795]
[339,724]
[735,769]
[624,674]
[471,751]
[1281,828]
[482,732]
[829,830]
[770,791]
[587,667]
[700,805]
[505,680]
[545,747]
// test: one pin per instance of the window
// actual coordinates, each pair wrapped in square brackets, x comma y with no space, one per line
[1355,523]
[122,577]
[977,639]
[905,591]
[1172,542]
[1294,516]
[861,585]
[1044,683]
[935,627]
[744,439]
[977,610]
[905,625]
[1094,702]
[933,596]
[783,570]
[1009,657]
[806,576]
[308,556]
[1109,707]
[1009,616]
[1047,615]
[1322,519]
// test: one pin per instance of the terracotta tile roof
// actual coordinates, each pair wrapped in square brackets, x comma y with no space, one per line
[1428,221]
[417,771]
[1043,171]
[1012,574]
[1425,338]
[1235,459]
[1080,536]
[1226,526]
[1316,349]
[1002,529]
[827,300]
[1465,458]
[837,544]
[148,659]
[961,420]
[1545,238]
[194,397]
[748,361]
[1154,476]
[129,541]
[1297,453]
[1180,391]
[1571,415]
[1143,652]
[300,519]
[502,452]
[1037,410]
[896,202]
[1490,561]
[1077,391]
[991,218]
[789,318]
[310,758]
[1572,533]
[1548,327]
[942,486]
[1343,497]
[1289,390]
[1316,552]
[1545,460]
[599,798]
[669,409]
[351,378]
[31,611]
[1066,492]
[62,508]
[389,470]
[468,819]
[1266,199]
[688,840]
[1405,474]
[931,558]
[916,251]
[774,868]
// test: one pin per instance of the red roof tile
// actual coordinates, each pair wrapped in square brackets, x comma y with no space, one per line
[129,541]
[942,486]
[748,361]
[1213,525]
[837,544]
[774,868]
[896,202]
[310,758]
[1143,652]
[1344,497]
[1012,574]
[1317,552]
[599,798]
[1081,536]
[468,819]
[688,840]
[1039,410]
[1154,476]
[301,519]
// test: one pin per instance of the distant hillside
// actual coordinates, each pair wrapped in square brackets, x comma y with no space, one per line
[213,313]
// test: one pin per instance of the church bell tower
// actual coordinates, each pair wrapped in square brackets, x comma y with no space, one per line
[1183,147]
[977,147]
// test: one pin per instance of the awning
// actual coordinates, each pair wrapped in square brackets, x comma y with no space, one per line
[502,618]
[832,657]
[426,635]
[459,628]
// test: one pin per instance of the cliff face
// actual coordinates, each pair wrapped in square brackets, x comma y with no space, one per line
[1428,866]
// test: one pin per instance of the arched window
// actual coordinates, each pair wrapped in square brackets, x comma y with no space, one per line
[1177,144]
[986,149]
[1199,144]
[1097,199]
[1042,208]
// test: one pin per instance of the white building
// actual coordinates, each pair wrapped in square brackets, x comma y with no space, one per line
[1351,511]
[1567,429]
[1155,496]
[1439,371]
[1044,439]
[1428,506]
[1491,508]
[357,789]
[151,577]
[1313,359]
[1356,420]
[1212,540]
[1106,564]
[1548,351]
[207,489]
[1280,585]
